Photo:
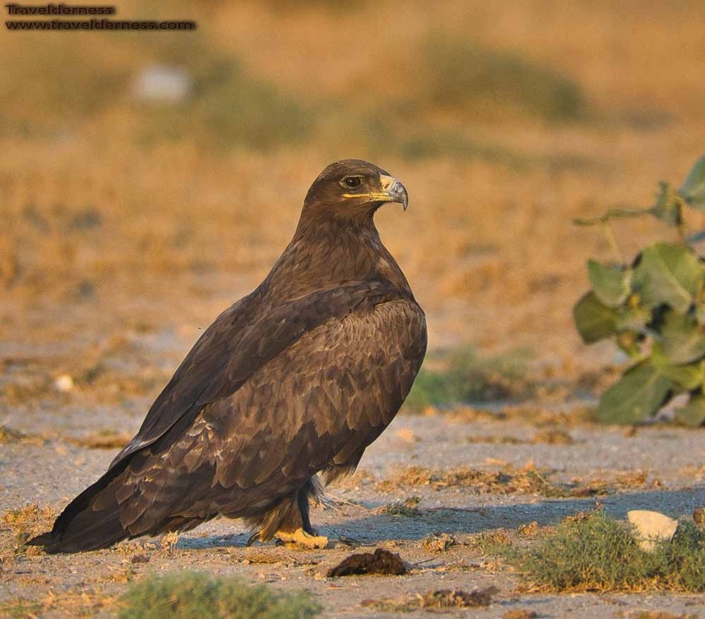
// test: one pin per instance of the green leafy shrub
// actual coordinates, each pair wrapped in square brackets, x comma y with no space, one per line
[654,309]
[191,594]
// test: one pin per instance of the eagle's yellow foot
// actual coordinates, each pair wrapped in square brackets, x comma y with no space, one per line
[301,540]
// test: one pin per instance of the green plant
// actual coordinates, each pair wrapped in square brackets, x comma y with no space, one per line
[461,375]
[192,594]
[654,309]
[475,80]
[598,553]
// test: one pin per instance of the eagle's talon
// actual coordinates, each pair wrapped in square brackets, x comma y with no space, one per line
[255,537]
[302,540]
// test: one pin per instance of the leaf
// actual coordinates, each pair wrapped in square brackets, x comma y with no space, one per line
[610,283]
[639,394]
[693,190]
[693,413]
[687,376]
[594,320]
[683,338]
[668,273]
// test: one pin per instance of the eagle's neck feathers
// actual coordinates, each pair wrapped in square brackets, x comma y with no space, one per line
[332,252]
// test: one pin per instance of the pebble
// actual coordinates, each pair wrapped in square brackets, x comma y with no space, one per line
[652,527]
[64,383]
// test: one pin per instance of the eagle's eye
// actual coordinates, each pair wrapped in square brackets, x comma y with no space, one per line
[352,182]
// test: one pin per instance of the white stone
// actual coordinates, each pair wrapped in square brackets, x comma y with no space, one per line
[162,83]
[64,383]
[652,527]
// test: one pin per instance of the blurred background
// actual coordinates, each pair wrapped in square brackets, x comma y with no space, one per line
[149,179]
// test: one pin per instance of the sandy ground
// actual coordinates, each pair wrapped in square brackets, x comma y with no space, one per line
[658,467]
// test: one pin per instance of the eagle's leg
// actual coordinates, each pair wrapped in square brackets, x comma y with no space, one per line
[289,521]
[295,528]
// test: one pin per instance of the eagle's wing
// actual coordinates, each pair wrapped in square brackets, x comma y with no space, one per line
[241,340]
[316,405]
[257,408]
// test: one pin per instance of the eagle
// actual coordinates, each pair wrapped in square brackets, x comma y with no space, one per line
[293,381]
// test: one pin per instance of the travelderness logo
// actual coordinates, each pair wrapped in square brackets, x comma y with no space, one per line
[97,14]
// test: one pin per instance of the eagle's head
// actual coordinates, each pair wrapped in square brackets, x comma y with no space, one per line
[352,189]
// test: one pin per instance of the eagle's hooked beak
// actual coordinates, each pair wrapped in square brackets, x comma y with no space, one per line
[394,190]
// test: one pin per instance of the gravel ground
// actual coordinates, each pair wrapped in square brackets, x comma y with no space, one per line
[52,470]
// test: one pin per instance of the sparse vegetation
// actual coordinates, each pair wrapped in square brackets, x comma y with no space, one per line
[475,81]
[439,542]
[112,227]
[462,376]
[654,309]
[11,435]
[599,553]
[225,106]
[106,439]
[408,508]
[440,600]
[492,542]
[509,480]
[193,594]
[26,522]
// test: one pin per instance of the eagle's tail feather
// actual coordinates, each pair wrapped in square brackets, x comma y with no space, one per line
[82,534]
[81,526]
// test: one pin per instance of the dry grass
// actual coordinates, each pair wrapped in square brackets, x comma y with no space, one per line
[24,523]
[436,601]
[509,480]
[494,259]
[506,481]
[550,420]
[439,542]
[106,439]
[84,604]
[11,435]
[654,614]
[520,613]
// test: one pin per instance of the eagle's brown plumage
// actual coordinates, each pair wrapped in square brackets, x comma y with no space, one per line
[295,379]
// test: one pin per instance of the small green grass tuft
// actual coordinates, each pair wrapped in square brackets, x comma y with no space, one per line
[469,78]
[463,376]
[20,609]
[192,594]
[495,542]
[599,553]
[229,106]
[407,507]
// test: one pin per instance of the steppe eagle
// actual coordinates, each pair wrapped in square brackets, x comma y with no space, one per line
[293,380]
